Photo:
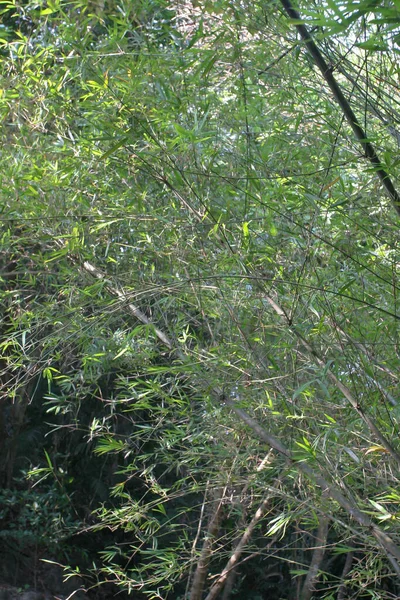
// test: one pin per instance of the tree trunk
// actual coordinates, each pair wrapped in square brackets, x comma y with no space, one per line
[318,555]
[346,571]
[200,574]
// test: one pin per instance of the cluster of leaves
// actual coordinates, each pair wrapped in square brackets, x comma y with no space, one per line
[188,223]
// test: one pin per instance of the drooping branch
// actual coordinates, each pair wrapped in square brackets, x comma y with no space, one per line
[391,550]
[329,489]
[374,429]
[360,134]
[118,292]
[378,365]
[134,310]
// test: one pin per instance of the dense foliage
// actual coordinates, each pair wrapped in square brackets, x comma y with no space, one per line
[199,279]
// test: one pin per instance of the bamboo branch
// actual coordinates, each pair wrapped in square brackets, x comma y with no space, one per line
[346,570]
[329,489]
[231,564]
[134,310]
[338,384]
[200,574]
[232,571]
[196,537]
[318,555]
[327,73]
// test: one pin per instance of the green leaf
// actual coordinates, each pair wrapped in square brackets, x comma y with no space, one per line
[116,146]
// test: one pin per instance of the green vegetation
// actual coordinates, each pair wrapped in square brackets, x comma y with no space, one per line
[199,281]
